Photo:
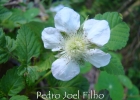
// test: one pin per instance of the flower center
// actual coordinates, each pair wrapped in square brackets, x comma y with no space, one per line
[75,46]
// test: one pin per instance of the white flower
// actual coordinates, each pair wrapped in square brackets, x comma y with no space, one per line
[78,44]
[57,8]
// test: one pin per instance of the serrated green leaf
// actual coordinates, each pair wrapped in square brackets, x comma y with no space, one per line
[19,97]
[7,45]
[11,83]
[119,37]
[10,44]
[115,65]
[3,56]
[125,81]
[133,93]
[27,45]
[119,30]
[4,13]
[112,84]
[21,70]
[31,75]
[36,28]
[70,87]
[113,18]
[17,18]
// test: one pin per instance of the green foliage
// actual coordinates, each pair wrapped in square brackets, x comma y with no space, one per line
[115,65]
[27,45]
[70,87]
[2,38]
[133,93]
[3,98]
[31,13]
[4,13]
[7,47]
[11,83]
[16,19]
[125,81]
[46,61]
[34,61]
[10,44]
[36,28]
[3,1]
[119,30]
[20,17]
[19,97]
[112,84]
[31,75]
[86,67]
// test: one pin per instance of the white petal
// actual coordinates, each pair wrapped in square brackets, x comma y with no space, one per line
[98,58]
[67,20]
[64,69]
[57,8]
[52,39]
[97,31]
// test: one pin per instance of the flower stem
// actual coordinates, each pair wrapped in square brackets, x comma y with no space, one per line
[43,77]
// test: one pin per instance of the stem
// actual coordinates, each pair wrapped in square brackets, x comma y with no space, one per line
[43,77]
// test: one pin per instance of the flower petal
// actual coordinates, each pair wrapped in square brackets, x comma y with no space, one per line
[64,69]
[97,31]
[52,39]
[57,8]
[97,57]
[67,20]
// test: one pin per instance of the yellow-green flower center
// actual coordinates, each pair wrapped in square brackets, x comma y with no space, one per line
[75,46]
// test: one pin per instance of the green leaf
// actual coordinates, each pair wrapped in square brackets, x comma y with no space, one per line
[31,75]
[70,87]
[105,93]
[4,13]
[2,39]
[86,67]
[10,44]
[27,45]
[133,93]
[115,65]
[3,1]
[7,47]
[19,97]
[3,98]
[11,83]
[119,37]
[46,60]
[37,28]
[113,18]
[31,13]
[112,84]
[21,70]
[119,30]
[16,19]
[125,81]
[3,56]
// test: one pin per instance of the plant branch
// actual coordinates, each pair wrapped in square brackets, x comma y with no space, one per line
[43,77]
